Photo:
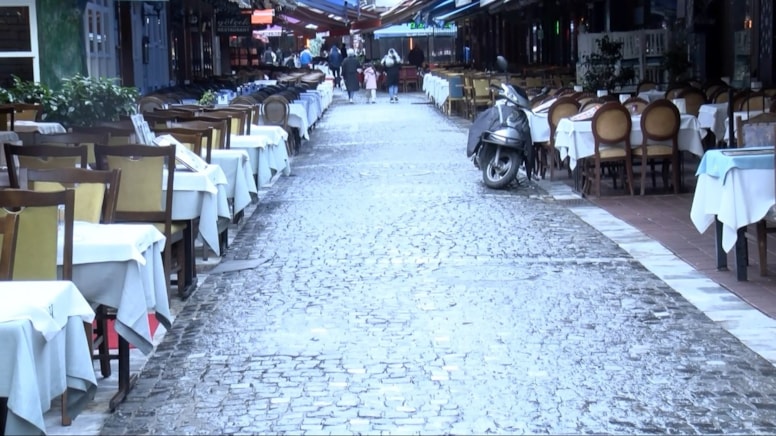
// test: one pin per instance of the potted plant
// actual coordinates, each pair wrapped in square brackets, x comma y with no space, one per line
[603,67]
[83,101]
[208,98]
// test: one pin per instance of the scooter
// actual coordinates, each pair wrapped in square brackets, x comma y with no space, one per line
[500,137]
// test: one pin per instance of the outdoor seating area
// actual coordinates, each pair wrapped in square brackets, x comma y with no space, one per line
[114,212]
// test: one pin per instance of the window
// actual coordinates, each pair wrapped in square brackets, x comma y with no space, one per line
[18,41]
[100,55]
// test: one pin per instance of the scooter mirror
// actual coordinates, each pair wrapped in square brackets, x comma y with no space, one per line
[502,64]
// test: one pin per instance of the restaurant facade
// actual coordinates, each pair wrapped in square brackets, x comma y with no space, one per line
[153,44]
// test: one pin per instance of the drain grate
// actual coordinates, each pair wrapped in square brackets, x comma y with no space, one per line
[574,202]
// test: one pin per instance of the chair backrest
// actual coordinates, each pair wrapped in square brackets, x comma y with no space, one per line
[612,125]
[9,225]
[694,98]
[645,85]
[660,121]
[275,110]
[42,157]
[755,101]
[150,103]
[721,95]
[218,135]
[35,256]
[28,111]
[74,139]
[757,131]
[563,107]
[95,191]
[587,103]
[145,195]
[240,116]
[223,140]
[635,105]
[189,138]
[739,98]
[7,117]
[116,134]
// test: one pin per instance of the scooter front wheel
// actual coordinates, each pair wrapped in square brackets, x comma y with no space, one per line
[499,174]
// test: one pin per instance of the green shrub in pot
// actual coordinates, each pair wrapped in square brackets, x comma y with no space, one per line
[83,101]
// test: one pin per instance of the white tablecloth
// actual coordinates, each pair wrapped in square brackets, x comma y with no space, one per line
[10,137]
[266,147]
[714,117]
[33,369]
[652,95]
[236,166]
[740,198]
[120,266]
[327,93]
[575,138]
[202,195]
[23,126]
[540,126]
[436,88]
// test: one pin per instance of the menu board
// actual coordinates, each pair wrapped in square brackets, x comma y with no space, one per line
[186,157]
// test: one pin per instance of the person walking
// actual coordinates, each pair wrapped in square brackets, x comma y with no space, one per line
[350,67]
[305,58]
[370,82]
[392,63]
[335,62]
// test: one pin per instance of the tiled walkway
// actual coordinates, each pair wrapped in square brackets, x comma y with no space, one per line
[666,219]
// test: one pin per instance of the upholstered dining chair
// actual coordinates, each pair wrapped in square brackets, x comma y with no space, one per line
[217,133]
[562,107]
[635,105]
[73,139]
[145,195]
[36,251]
[96,192]
[221,124]
[275,111]
[241,117]
[694,98]
[660,124]
[42,156]
[9,225]
[757,131]
[611,134]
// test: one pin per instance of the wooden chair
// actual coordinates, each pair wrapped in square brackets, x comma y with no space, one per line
[36,251]
[755,101]
[150,103]
[96,195]
[28,112]
[757,131]
[480,95]
[216,133]
[72,140]
[275,111]
[221,123]
[145,195]
[635,105]
[9,225]
[693,100]
[562,108]
[42,157]
[96,192]
[7,117]
[660,123]
[189,138]
[240,116]
[588,103]
[611,132]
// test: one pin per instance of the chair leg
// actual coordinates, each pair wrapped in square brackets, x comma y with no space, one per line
[644,166]
[629,176]
[762,247]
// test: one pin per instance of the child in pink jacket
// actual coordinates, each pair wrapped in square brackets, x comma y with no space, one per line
[370,82]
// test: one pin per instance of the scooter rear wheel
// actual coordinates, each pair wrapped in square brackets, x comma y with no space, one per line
[498,175]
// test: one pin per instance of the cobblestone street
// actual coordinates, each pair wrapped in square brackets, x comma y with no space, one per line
[387,291]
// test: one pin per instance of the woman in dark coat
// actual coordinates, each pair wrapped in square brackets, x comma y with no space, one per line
[350,66]
[392,64]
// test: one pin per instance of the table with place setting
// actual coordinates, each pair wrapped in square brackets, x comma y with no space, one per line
[45,352]
[735,188]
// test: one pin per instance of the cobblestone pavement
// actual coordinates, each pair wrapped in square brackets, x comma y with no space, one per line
[397,295]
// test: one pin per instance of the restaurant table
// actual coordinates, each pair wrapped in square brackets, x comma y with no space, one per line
[574,139]
[735,188]
[44,351]
[266,148]
[714,117]
[23,126]
[540,125]
[652,95]
[203,196]
[236,166]
[327,93]
[120,266]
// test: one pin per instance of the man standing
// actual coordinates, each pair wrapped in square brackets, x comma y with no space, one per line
[416,57]
[335,62]
[305,58]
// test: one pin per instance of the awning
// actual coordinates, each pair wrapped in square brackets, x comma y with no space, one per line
[459,13]
[407,30]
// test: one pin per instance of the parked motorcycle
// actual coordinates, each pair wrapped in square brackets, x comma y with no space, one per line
[500,137]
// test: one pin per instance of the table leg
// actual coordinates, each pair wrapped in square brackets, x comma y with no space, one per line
[3,413]
[721,255]
[741,255]
[126,381]
[187,284]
